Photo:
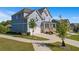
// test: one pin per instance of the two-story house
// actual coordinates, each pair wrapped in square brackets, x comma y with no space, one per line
[21,19]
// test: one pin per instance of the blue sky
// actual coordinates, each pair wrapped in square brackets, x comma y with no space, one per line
[72,13]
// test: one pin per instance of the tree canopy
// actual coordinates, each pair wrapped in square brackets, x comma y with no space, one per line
[4,26]
[32,23]
[62,28]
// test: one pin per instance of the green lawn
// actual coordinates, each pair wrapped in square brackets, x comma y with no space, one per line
[31,37]
[78,33]
[73,37]
[11,45]
[57,47]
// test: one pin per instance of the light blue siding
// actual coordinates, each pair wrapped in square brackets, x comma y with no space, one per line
[19,24]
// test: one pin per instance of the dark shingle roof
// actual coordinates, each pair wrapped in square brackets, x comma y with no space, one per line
[25,10]
[54,21]
[41,10]
[29,11]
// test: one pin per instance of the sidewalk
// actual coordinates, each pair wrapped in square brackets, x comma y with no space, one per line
[73,33]
[23,39]
[72,42]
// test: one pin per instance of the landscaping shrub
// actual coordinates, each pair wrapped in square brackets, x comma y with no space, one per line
[28,33]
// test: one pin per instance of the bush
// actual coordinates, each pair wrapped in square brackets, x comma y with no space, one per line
[13,33]
[3,29]
[28,33]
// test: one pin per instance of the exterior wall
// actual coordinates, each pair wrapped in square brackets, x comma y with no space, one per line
[46,17]
[38,21]
[19,23]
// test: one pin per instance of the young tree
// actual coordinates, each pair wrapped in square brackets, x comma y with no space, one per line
[32,24]
[62,30]
[4,26]
[3,29]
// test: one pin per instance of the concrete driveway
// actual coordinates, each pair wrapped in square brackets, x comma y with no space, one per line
[53,37]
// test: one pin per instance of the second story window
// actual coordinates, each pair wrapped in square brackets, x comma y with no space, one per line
[25,14]
[16,16]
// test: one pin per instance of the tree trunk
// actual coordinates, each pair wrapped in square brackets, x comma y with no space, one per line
[32,31]
[63,43]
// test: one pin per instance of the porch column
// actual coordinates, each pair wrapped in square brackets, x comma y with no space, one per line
[49,25]
[44,26]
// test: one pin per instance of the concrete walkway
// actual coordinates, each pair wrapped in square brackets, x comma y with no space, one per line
[73,33]
[40,47]
[52,37]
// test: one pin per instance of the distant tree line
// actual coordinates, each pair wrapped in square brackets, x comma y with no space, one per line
[4,26]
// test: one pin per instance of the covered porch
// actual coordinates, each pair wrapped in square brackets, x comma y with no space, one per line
[47,27]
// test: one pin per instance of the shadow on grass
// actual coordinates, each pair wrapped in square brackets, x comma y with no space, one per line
[57,47]
[53,45]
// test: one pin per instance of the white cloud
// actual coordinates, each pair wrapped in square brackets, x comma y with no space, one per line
[77,17]
[74,19]
[55,17]
[5,15]
[9,12]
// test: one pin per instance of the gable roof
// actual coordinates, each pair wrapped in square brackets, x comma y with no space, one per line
[24,10]
[54,21]
[41,10]
[29,11]
[39,15]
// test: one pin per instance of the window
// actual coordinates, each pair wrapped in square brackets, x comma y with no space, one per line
[25,14]
[54,25]
[16,16]
[46,25]
[13,21]
[36,19]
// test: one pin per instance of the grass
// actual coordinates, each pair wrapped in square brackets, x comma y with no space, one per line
[31,37]
[11,45]
[57,47]
[73,37]
[78,33]
[26,36]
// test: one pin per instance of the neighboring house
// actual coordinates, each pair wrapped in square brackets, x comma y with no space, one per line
[74,27]
[20,20]
[55,23]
